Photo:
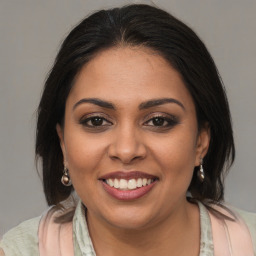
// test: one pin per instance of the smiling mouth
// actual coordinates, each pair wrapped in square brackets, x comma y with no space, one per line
[128,180]
[130,184]
[125,185]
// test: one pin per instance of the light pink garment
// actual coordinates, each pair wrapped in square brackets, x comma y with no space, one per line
[230,238]
[55,239]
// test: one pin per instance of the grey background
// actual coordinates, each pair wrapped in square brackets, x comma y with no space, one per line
[31,32]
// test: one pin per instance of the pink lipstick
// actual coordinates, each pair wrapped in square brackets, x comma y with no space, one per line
[128,185]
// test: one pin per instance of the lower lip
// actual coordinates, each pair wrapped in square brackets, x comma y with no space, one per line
[126,195]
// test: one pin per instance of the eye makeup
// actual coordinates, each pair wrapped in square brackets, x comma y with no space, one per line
[161,121]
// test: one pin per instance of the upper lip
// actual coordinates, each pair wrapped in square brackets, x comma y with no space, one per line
[127,175]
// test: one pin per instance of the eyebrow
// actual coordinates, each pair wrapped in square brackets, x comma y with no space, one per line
[143,105]
[157,102]
[95,101]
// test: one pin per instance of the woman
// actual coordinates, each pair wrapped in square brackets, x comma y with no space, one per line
[135,121]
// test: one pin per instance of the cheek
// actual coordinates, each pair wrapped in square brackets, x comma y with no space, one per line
[83,153]
[84,157]
[176,154]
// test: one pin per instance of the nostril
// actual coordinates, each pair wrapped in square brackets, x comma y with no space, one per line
[126,148]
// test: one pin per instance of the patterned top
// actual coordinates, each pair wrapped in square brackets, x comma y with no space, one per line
[23,239]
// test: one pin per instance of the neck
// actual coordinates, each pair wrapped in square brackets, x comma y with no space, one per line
[179,234]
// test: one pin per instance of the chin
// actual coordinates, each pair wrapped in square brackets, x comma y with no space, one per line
[129,218]
[130,223]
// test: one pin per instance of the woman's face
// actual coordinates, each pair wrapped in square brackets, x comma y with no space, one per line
[130,139]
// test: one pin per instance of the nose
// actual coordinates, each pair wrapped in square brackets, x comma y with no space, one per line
[127,146]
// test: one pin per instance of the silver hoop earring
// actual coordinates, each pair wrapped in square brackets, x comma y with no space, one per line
[200,172]
[65,179]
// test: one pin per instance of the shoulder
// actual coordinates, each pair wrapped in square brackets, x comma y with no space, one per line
[250,220]
[248,217]
[21,240]
[234,227]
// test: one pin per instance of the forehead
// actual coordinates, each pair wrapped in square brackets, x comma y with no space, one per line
[129,74]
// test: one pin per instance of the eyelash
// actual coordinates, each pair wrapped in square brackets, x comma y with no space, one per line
[165,122]
[85,122]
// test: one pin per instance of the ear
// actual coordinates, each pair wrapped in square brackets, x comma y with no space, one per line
[202,144]
[60,133]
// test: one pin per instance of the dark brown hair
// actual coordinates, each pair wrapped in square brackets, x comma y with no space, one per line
[137,25]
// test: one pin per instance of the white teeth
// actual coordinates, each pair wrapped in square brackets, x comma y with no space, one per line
[132,184]
[139,183]
[116,183]
[111,182]
[123,184]
[129,184]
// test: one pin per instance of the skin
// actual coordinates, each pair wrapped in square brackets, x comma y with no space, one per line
[129,139]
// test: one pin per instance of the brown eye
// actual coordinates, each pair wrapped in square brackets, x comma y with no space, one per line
[162,121]
[95,121]
[158,121]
